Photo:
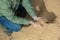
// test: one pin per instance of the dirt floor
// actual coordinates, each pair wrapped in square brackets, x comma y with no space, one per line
[48,31]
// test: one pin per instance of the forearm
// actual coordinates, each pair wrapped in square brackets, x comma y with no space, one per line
[18,20]
[9,14]
[29,8]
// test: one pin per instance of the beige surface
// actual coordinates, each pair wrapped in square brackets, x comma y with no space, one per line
[48,31]
[3,36]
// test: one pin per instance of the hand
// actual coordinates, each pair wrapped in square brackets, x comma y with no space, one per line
[36,18]
[33,24]
[39,20]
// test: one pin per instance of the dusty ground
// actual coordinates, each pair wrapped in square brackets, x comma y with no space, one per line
[48,32]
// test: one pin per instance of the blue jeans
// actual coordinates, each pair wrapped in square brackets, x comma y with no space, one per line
[13,27]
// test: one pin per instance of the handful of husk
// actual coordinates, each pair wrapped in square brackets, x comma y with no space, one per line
[40,9]
[49,17]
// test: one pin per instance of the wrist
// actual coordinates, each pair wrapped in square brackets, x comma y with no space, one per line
[36,18]
[31,22]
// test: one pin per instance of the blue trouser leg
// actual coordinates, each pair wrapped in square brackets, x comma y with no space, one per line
[9,25]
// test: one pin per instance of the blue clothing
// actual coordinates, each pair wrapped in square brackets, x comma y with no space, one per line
[9,25]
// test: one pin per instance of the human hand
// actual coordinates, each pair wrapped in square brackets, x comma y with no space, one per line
[39,20]
[36,18]
[33,24]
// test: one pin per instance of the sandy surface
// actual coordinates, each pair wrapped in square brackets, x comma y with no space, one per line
[48,31]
